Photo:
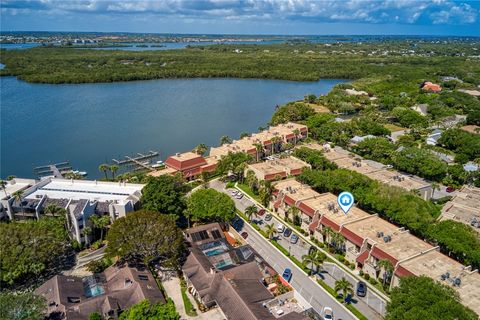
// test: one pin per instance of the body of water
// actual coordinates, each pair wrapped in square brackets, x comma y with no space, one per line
[136,46]
[89,124]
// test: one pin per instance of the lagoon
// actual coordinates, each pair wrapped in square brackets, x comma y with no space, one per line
[88,124]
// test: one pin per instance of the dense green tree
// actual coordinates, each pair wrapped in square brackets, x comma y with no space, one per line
[457,240]
[466,145]
[368,125]
[146,311]
[100,222]
[95,316]
[378,149]
[165,194]
[315,158]
[420,162]
[294,111]
[232,161]
[409,118]
[145,236]
[424,298]
[210,205]
[22,306]
[31,248]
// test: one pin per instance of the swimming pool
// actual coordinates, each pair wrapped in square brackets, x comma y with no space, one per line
[94,291]
[214,252]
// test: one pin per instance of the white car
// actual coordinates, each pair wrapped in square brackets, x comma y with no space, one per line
[280,228]
[328,313]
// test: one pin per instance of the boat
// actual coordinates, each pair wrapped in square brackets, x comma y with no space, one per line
[82,173]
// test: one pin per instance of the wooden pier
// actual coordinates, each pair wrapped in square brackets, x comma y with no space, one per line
[57,170]
[137,160]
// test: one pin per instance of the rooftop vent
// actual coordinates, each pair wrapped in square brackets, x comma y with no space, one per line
[445,276]
[380,234]
[457,282]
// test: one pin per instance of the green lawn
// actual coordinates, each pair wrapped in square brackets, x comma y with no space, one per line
[393,127]
[245,188]
[189,309]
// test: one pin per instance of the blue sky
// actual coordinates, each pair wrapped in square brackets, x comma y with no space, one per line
[434,17]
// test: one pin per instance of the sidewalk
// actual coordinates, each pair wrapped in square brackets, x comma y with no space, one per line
[172,288]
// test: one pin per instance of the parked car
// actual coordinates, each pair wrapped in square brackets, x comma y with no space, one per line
[287,274]
[239,196]
[244,235]
[294,239]
[280,228]
[287,232]
[361,289]
[328,313]
[268,217]
[261,212]
[450,189]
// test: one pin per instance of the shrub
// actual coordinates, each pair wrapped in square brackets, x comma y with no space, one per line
[372,281]
[366,276]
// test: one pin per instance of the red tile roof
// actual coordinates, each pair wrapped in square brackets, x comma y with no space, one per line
[289,200]
[186,164]
[352,237]
[382,255]
[329,223]
[402,272]
[362,257]
[277,203]
[306,209]
[313,226]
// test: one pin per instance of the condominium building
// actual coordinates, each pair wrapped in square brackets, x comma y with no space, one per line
[278,168]
[263,143]
[374,170]
[189,164]
[12,188]
[368,239]
[80,198]
[464,207]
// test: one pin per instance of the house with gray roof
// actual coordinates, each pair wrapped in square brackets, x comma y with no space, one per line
[108,293]
[232,279]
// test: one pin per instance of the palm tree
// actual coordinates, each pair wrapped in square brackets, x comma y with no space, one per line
[338,241]
[270,230]
[387,267]
[18,195]
[345,287]
[251,211]
[435,186]
[113,169]
[251,179]
[296,132]
[3,185]
[259,148]
[53,210]
[265,192]
[275,142]
[225,140]
[86,232]
[244,135]
[201,149]
[315,259]
[293,211]
[104,168]
[100,223]
[240,171]
[327,234]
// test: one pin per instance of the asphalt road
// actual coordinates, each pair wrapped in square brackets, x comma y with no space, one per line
[308,288]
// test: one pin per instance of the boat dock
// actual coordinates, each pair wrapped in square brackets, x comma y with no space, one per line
[138,160]
[57,170]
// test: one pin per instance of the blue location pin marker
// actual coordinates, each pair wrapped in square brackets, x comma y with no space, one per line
[345,201]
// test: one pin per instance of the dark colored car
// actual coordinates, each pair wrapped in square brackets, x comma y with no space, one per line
[287,274]
[287,232]
[450,189]
[361,289]
[268,217]
[261,212]
[244,235]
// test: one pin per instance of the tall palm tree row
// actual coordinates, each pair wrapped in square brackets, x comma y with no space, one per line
[259,148]
[344,287]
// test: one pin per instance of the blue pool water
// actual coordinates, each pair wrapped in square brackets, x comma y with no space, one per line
[94,291]
[214,252]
